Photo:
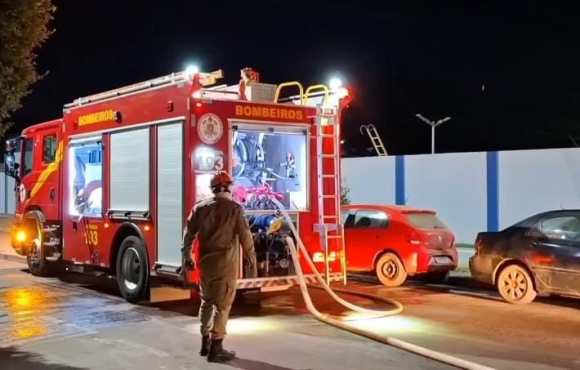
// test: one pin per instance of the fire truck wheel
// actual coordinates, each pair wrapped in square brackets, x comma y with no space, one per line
[37,264]
[390,270]
[133,269]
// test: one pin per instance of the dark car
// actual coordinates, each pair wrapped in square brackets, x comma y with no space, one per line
[540,255]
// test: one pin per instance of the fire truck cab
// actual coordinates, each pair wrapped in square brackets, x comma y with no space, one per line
[107,188]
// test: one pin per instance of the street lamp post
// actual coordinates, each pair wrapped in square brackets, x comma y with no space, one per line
[433,124]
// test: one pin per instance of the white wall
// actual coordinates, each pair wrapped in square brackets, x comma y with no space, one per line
[2,192]
[533,181]
[530,181]
[7,196]
[370,179]
[452,184]
[11,195]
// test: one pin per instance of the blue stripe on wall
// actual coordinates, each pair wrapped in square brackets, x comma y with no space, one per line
[400,180]
[492,163]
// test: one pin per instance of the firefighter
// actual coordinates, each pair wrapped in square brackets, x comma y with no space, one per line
[220,227]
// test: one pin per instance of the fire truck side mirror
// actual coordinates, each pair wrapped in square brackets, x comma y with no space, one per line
[10,166]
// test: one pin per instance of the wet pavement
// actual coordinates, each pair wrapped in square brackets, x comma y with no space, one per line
[77,322]
[80,322]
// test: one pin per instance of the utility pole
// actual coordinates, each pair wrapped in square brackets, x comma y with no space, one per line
[433,124]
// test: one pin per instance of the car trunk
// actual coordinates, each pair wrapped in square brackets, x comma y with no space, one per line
[436,235]
[438,239]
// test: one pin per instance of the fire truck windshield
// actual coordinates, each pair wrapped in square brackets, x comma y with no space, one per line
[270,164]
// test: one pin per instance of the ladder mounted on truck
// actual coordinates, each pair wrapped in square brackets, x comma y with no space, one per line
[376,140]
[327,134]
[329,223]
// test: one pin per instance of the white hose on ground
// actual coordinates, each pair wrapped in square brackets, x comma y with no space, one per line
[409,347]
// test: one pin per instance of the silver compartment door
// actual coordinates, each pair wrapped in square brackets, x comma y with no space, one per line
[130,170]
[169,193]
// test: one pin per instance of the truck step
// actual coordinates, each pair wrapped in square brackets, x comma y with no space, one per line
[52,243]
[53,258]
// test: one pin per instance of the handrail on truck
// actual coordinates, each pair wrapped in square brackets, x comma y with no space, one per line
[287,84]
[205,79]
[311,90]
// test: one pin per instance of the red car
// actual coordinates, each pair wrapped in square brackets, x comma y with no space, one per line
[396,242]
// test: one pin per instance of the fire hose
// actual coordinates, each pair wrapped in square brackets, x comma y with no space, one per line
[330,320]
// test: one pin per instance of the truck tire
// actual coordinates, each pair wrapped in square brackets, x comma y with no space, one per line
[390,270]
[37,264]
[133,269]
[36,261]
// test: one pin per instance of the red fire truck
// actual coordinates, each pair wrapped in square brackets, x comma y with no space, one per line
[106,188]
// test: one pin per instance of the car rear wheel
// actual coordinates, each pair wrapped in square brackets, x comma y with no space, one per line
[515,285]
[390,270]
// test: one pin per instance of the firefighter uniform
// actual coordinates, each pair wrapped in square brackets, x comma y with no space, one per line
[220,226]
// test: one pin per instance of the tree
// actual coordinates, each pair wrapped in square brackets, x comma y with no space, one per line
[24,26]
[344,192]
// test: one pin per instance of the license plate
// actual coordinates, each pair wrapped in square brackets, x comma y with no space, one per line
[443,260]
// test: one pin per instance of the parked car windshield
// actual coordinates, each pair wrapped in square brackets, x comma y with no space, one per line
[426,221]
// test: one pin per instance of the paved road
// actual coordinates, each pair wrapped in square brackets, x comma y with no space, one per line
[80,323]
[471,321]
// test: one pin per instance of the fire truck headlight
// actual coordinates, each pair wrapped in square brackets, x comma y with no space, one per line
[21,236]
[335,83]
[191,69]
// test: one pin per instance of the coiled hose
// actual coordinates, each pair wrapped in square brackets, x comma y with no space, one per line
[330,320]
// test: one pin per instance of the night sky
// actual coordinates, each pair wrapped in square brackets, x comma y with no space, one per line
[506,72]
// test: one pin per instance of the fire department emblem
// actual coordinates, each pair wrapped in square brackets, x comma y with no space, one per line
[210,128]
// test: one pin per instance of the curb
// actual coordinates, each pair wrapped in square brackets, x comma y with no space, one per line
[12,257]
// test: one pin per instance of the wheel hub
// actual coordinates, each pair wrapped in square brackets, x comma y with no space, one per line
[390,269]
[35,256]
[515,285]
[131,269]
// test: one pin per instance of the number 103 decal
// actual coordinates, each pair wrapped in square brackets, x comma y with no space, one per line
[92,235]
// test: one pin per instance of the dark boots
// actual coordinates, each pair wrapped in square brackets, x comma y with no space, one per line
[218,354]
[204,345]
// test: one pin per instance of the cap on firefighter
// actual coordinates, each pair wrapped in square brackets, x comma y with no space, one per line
[221,180]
